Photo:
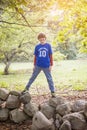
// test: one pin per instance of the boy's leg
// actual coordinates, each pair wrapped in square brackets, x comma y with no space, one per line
[33,77]
[49,79]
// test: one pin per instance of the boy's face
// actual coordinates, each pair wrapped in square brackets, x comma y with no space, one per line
[42,40]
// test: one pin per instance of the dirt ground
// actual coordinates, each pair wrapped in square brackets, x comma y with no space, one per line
[40,99]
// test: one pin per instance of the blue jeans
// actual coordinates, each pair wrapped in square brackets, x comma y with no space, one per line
[47,73]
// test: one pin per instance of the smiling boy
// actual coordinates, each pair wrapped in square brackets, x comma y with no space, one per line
[43,60]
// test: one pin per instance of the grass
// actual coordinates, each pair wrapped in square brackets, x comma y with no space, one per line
[71,75]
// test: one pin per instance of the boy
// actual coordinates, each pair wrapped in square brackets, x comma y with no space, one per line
[42,61]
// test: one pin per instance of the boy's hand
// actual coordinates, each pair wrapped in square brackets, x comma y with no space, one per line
[33,68]
[50,68]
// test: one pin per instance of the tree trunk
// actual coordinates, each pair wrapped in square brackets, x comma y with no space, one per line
[6,69]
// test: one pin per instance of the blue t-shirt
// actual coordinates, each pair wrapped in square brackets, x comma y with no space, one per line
[42,53]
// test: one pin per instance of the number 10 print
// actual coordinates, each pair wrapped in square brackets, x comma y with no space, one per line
[42,53]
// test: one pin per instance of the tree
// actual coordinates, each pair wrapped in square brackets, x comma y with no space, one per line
[72,27]
[21,20]
[11,45]
[18,26]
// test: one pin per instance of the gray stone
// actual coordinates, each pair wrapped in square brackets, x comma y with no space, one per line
[25,98]
[85,110]
[17,116]
[78,105]
[16,93]
[65,126]
[3,93]
[63,109]
[57,124]
[1,102]
[4,114]
[76,120]
[47,110]
[40,122]
[54,102]
[30,109]
[12,102]
[59,118]
[34,128]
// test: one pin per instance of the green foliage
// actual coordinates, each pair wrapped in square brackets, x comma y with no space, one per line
[19,87]
[79,86]
[4,84]
[72,25]
[57,56]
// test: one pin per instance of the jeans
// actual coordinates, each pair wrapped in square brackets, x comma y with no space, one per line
[47,73]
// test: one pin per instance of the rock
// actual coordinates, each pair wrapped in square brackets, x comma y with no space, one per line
[63,109]
[40,122]
[17,116]
[59,118]
[3,93]
[3,105]
[78,105]
[54,102]
[65,126]
[76,120]
[1,102]
[4,114]
[16,93]
[57,124]
[33,127]
[12,102]
[30,109]
[47,110]
[85,110]
[25,98]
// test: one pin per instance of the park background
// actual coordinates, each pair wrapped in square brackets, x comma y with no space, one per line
[65,24]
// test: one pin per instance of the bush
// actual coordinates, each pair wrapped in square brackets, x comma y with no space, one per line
[57,56]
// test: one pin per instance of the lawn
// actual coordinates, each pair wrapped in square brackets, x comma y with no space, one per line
[67,75]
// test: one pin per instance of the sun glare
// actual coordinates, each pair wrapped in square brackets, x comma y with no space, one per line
[56,12]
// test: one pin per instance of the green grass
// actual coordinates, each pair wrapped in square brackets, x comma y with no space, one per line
[70,75]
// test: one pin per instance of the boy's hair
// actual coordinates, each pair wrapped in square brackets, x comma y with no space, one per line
[41,35]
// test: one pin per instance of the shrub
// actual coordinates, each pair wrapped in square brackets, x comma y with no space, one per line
[57,56]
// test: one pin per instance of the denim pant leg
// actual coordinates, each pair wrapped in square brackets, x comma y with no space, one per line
[49,79]
[33,77]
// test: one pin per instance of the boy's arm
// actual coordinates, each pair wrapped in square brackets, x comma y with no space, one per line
[50,55]
[34,60]
[51,60]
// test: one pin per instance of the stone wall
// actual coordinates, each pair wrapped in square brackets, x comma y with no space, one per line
[56,114]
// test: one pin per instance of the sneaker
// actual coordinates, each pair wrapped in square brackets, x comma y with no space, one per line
[53,94]
[24,91]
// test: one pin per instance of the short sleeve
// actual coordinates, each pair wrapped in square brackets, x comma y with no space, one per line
[35,51]
[50,49]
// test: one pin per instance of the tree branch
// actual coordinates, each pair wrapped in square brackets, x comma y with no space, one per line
[2,21]
[25,19]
